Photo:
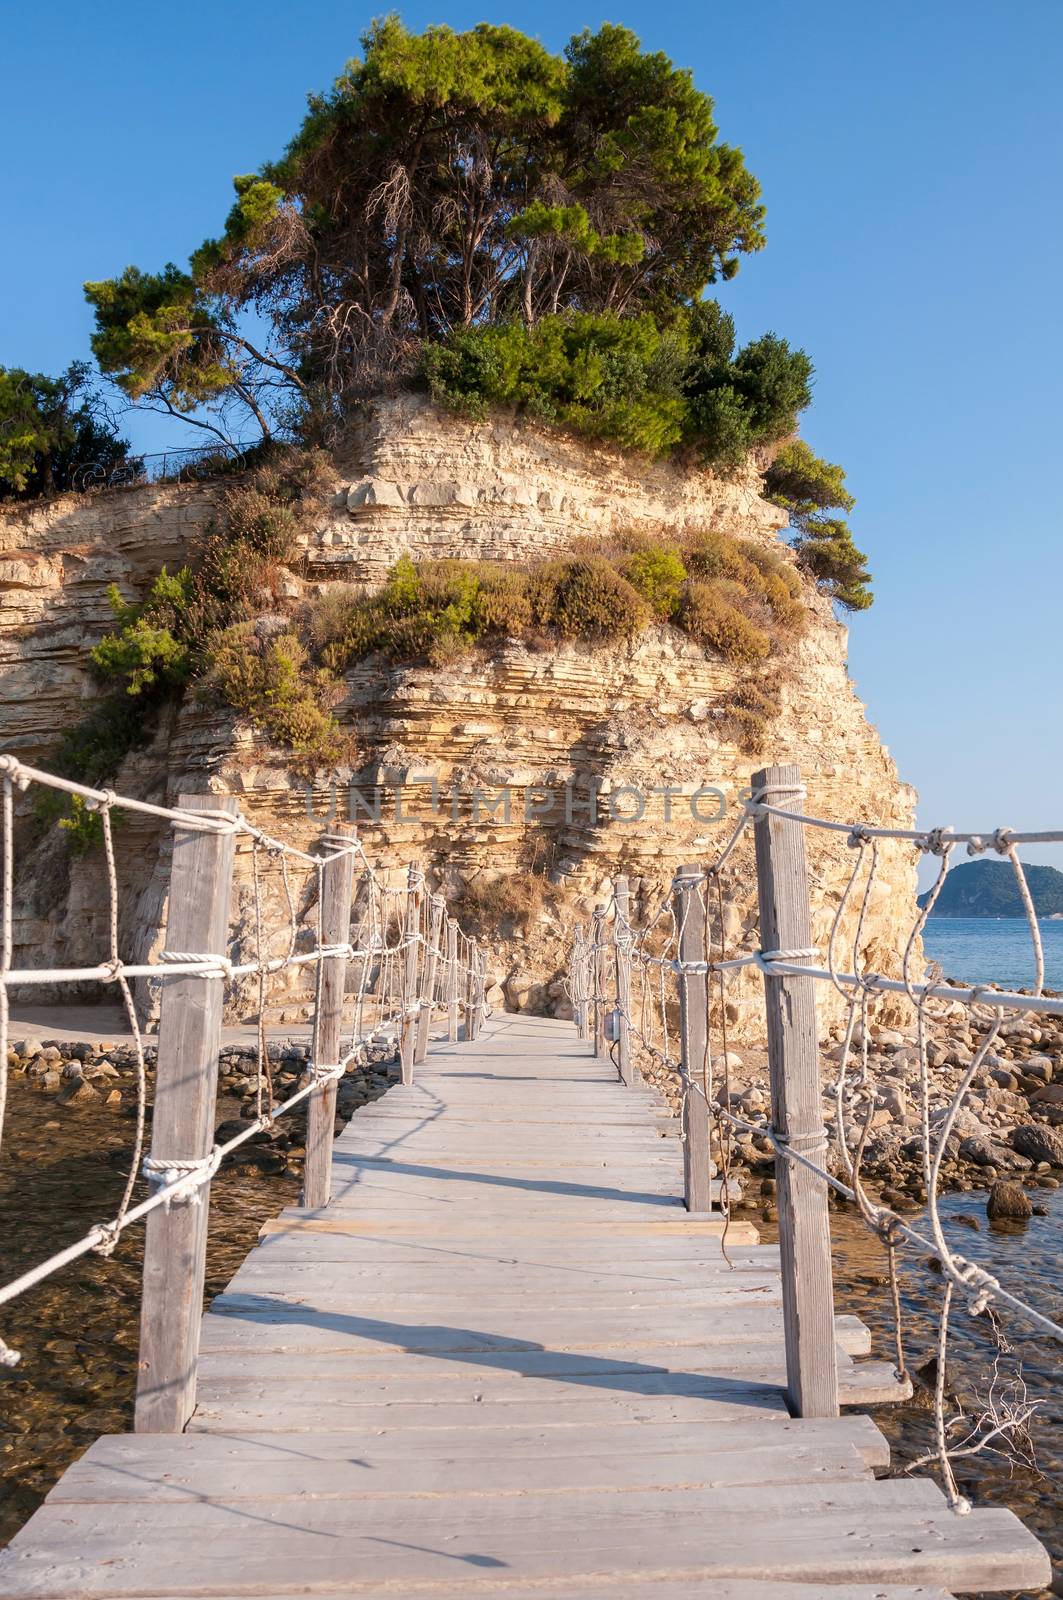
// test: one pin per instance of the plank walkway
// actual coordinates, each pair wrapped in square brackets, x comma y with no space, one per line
[505,1362]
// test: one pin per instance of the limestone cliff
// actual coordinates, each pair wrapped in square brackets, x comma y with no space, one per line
[648,719]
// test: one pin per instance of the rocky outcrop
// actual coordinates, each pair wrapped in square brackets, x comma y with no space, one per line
[435,484]
[642,726]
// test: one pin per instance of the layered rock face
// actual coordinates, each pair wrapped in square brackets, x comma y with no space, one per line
[570,763]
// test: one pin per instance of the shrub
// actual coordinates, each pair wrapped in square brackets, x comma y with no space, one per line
[708,616]
[657,573]
[587,599]
[265,677]
[604,376]
[802,482]
[825,548]
[147,652]
[487,904]
[806,486]
[748,712]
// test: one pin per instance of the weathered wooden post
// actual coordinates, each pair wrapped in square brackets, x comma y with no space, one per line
[182,1130]
[337,879]
[410,998]
[431,966]
[479,992]
[578,980]
[621,940]
[473,1015]
[598,979]
[694,1038]
[796,1107]
[453,1005]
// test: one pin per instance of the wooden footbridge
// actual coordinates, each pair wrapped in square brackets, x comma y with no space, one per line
[508,1345]
[506,1360]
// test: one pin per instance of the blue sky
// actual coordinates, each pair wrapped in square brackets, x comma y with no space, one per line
[910,157]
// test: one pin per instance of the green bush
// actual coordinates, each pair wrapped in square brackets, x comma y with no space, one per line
[734,596]
[709,616]
[265,676]
[587,599]
[807,487]
[147,651]
[628,380]
[603,376]
[825,549]
[657,573]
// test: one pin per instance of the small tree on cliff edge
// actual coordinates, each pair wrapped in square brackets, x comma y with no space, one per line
[446,181]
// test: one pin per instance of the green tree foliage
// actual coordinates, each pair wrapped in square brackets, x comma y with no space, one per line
[146,651]
[809,488]
[446,181]
[48,428]
[628,380]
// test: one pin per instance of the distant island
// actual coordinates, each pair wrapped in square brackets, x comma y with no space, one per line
[988,889]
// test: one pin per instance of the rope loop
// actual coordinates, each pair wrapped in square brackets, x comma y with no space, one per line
[180,1181]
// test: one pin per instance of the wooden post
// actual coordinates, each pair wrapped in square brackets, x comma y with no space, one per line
[578,980]
[628,1073]
[597,979]
[424,1022]
[410,1009]
[472,1018]
[186,1083]
[479,991]
[452,981]
[337,879]
[796,1107]
[694,1038]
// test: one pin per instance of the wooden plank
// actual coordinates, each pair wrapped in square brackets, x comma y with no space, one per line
[796,1102]
[186,1080]
[825,1534]
[104,1477]
[134,1452]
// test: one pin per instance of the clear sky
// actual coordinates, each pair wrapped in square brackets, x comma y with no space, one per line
[910,156]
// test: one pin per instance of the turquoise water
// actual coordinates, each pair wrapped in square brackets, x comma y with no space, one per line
[993,950]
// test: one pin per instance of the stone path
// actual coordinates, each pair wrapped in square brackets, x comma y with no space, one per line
[505,1362]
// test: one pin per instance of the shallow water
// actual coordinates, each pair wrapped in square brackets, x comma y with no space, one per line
[994,950]
[78,1331]
[1024,1257]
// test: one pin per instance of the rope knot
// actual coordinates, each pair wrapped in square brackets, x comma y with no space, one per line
[180,1181]
[857,838]
[1002,841]
[938,842]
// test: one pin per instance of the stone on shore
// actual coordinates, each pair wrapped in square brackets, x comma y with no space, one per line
[1008,1202]
[1039,1143]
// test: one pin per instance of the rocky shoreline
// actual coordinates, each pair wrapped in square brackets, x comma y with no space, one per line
[1007,1136]
[81,1074]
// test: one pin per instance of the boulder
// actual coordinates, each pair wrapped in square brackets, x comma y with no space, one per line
[1033,1139]
[1008,1202]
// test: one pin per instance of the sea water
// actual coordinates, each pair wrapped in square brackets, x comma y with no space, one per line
[994,950]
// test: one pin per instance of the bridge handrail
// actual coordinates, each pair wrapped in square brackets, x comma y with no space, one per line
[413,959]
[670,957]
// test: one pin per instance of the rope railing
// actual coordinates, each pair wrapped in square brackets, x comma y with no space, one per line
[672,955]
[385,960]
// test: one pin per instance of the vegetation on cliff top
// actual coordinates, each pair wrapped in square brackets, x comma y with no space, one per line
[51,426]
[448,181]
[503,225]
